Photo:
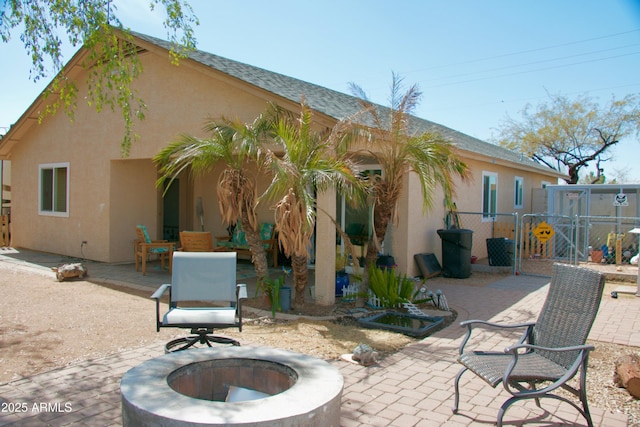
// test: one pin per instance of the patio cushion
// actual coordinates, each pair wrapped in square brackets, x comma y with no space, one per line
[200,316]
[148,240]
[238,237]
[266,231]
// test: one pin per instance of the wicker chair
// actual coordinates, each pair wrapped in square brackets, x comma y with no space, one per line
[550,352]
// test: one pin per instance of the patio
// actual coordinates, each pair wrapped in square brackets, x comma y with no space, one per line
[411,387]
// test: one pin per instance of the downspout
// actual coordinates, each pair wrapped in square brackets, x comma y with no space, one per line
[1,187]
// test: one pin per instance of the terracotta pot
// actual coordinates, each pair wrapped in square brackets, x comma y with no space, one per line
[596,256]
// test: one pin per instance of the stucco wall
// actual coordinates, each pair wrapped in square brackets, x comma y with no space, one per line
[109,195]
[416,229]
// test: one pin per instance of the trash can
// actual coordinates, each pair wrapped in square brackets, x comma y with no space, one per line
[500,251]
[456,252]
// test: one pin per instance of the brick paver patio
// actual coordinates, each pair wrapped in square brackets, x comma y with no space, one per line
[413,387]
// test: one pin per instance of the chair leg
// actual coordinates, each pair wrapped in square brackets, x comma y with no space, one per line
[582,392]
[456,387]
[202,336]
[503,409]
[144,263]
[585,413]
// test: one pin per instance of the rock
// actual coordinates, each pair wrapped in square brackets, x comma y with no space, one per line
[365,355]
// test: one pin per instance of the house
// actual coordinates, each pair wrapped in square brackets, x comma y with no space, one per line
[71,185]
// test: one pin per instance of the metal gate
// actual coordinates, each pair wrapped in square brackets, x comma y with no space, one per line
[543,240]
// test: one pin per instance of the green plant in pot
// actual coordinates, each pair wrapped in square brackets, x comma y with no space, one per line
[271,289]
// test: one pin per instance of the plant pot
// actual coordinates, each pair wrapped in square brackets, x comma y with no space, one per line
[285,298]
[596,256]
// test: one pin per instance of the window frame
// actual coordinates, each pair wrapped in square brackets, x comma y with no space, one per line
[489,215]
[55,208]
[518,192]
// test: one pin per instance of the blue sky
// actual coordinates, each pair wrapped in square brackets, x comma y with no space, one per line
[475,61]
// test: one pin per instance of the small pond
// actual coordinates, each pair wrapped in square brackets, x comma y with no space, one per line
[408,324]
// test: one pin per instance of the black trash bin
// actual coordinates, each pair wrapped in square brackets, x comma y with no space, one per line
[456,252]
[500,251]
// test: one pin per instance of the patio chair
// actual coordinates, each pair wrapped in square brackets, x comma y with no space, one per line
[203,296]
[144,247]
[196,241]
[550,352]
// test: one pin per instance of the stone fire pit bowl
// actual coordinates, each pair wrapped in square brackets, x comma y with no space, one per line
[205,387]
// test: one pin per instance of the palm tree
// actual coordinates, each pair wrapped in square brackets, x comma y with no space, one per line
[400,151]
[310,161]
[237,145]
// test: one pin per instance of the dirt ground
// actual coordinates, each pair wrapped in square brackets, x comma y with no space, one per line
[67,322]
[45,324]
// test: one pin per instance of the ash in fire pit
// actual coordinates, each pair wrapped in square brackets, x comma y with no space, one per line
[232,386]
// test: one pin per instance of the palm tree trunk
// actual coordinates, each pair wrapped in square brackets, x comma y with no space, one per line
[258,254]
[381,217]
[300,277]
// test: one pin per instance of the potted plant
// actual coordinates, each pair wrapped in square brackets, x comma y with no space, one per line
[278,295]
[596,256]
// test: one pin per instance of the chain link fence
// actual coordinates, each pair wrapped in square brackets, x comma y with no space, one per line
[531,243]
[607,239]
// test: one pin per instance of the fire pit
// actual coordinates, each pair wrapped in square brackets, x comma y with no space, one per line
[232,386]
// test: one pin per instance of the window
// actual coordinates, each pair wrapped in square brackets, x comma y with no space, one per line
[489,195]
[518,183]
[54,186]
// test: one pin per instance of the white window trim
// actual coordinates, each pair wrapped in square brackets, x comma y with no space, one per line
[488,217]
[41,167]
[518,184]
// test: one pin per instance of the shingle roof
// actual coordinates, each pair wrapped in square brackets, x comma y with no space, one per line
[340,105]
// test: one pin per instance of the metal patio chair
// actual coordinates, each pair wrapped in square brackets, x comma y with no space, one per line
[203,296]
[550,352]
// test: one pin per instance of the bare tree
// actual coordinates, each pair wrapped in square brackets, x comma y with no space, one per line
[567,135]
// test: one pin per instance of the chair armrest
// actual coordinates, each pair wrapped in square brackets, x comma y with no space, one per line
[160,291]
[157,244]
[469,324]
[241,292]
[157,295]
